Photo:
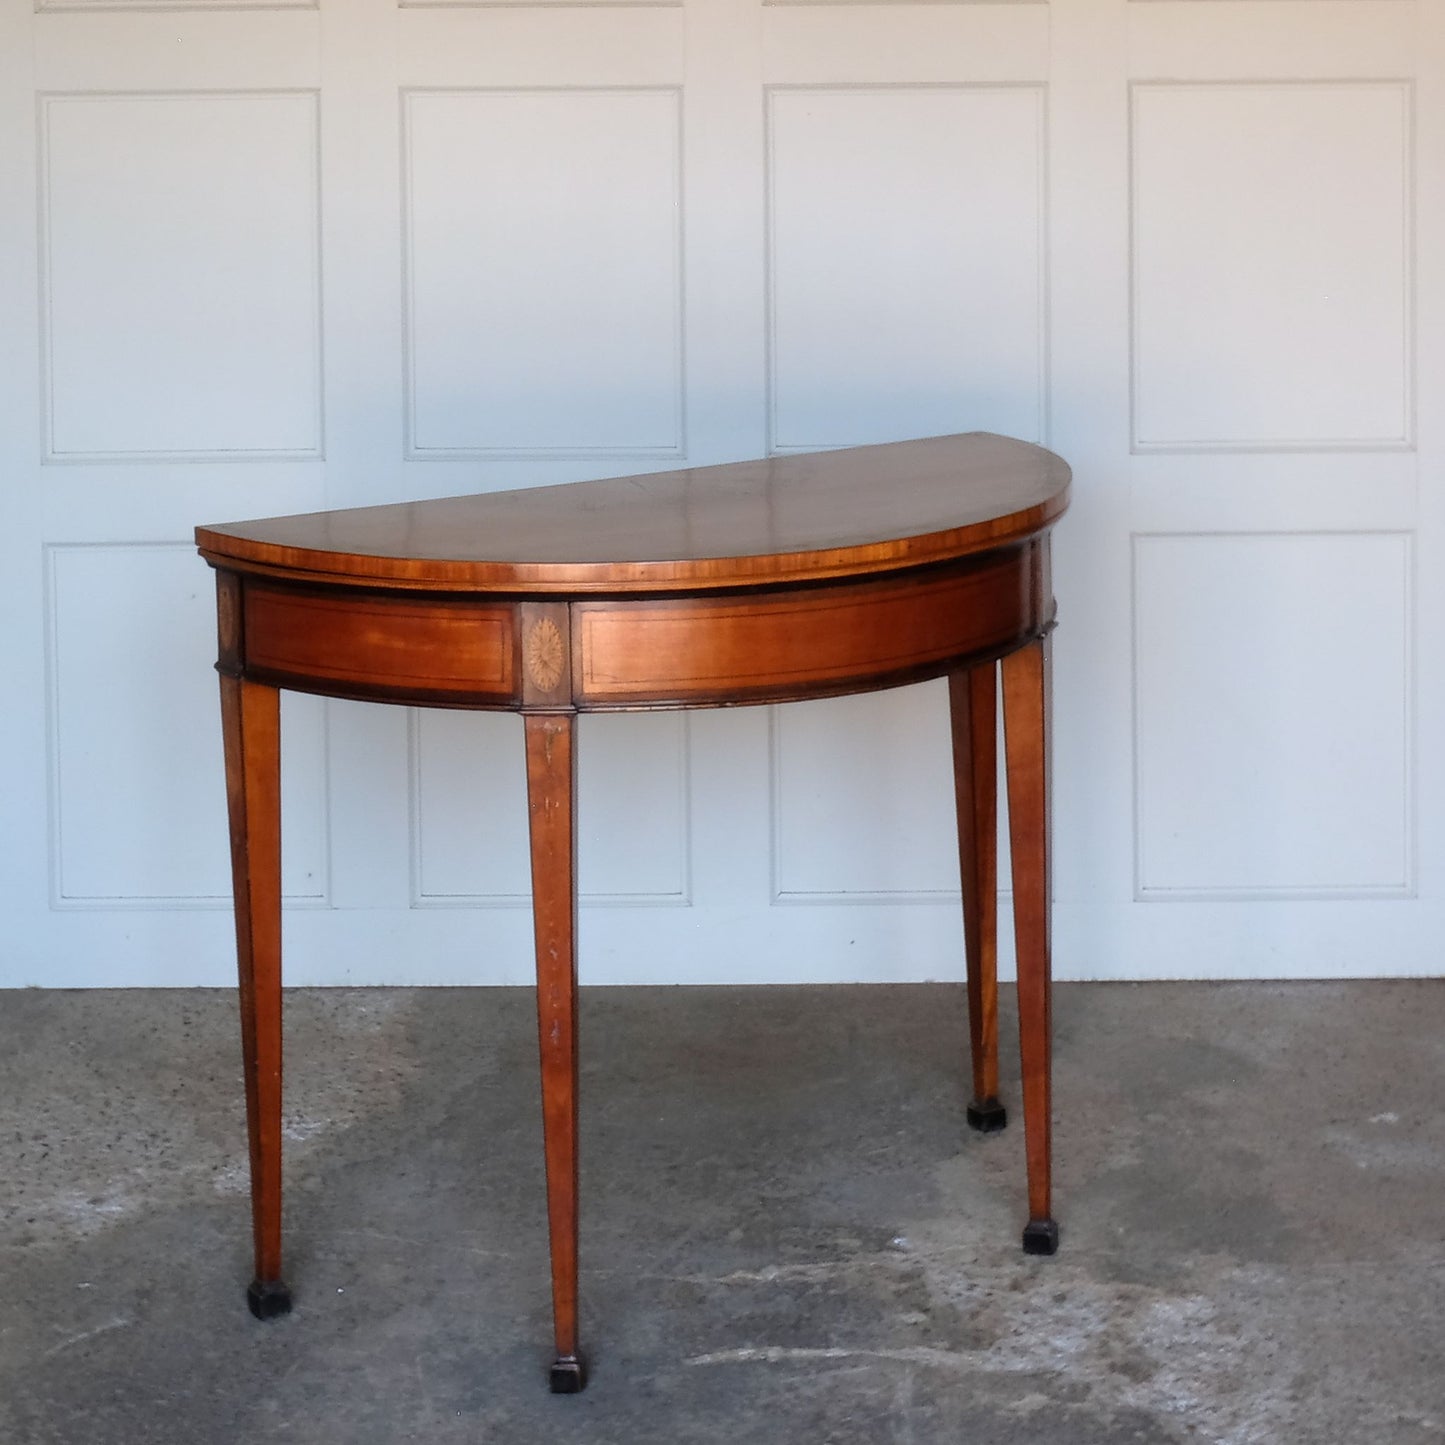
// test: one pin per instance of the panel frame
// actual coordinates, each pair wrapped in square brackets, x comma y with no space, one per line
[771,91]
[49,456]
[1408,888]
[483,899]
[1409,302]
[59,900]
[411,451]
[782,896]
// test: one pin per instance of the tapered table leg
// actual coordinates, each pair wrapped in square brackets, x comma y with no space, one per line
[251,723]
[972,698]
[1026,704]
[552,806]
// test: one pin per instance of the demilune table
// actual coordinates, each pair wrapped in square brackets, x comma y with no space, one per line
[759,582]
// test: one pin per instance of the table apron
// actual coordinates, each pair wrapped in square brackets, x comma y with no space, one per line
[700,652]
[626,653]
[384,647]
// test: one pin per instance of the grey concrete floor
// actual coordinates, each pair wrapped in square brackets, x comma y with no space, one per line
[788,1232]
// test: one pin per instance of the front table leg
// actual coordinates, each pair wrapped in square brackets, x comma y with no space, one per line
[552,806]
[251,725]
[1026,704]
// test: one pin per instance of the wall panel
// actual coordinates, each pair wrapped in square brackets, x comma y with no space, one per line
[178,323]
[1273,715]
[1271,251]
[907,271]
[138,816]
[544,272]
[470,812]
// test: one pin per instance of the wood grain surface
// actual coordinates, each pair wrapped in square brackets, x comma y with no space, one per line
[861,510]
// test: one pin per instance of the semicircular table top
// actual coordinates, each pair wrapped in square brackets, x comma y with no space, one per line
[786,518]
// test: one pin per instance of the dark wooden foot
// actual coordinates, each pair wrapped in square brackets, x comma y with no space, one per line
[268,1299]
[569,1375]
[988,1117]
[1041,1236]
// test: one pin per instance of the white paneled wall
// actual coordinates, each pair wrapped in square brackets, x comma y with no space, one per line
[132,708]
[569,338]
[1300,784]
[880,761]
[193,331]
[879,326]
[1287,205]
[271,257]
[470,796]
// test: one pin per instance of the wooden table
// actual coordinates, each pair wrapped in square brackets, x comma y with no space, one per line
[760,582]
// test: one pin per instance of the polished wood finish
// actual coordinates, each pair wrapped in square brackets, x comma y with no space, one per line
[251,737]
[552,816]
[973,702]
[800,576]
[446,651]
[1026,716]
[787,643]
[857,512]
[251,727]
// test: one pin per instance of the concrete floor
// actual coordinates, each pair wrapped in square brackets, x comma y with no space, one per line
[788,1233]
